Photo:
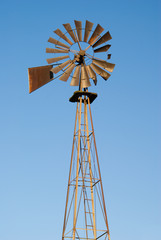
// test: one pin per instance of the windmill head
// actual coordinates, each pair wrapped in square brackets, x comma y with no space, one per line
[74,57]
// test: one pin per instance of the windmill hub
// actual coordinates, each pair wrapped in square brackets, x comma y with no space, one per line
[79,58]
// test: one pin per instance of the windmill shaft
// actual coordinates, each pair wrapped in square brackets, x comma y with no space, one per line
[85,197]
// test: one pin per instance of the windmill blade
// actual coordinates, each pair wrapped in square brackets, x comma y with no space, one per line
[76,77]
[108,66]
[92,74]
[98,30]
[78,25]
[56,59]
[60,67]
[56,42]
[102,49]
[88,29]
[62,35]
[106,37]
[39,76]
[67,72]
[84,77]
[105,75]
[70,31]
[52,50]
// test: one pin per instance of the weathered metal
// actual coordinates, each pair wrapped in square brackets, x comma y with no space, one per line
[63,36]
[105,75]
[78,25]
[56,59]
[70,31]
[88,29]
[85,198]
[98,30]
[106,37]
[39,76]
[102,49]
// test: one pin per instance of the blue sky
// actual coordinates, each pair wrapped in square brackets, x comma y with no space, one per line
[36,129]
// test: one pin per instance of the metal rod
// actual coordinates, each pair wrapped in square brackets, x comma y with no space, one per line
[77,169]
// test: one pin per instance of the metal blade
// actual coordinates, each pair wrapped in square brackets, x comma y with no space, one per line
[88,29]
[62,35]
[92,74]
[108,66]
[67,72]
[60,67]
[76,77]
[56,42]
[105,75]
[98,30]
[106,37]
[56,59]
[52,50]
[39,76]
[70,31]
[84,77]
[78,25]
[102,49]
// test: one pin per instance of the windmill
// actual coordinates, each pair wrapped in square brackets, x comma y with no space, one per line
[74,57]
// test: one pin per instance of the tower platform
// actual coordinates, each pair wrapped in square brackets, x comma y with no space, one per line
[77,94]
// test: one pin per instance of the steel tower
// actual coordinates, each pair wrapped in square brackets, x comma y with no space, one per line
[85,212]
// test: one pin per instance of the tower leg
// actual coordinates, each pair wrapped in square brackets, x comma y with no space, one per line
[71,163]
[77,168]
[104,206]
